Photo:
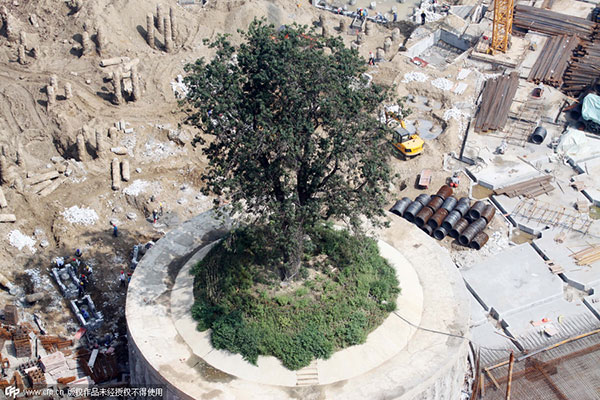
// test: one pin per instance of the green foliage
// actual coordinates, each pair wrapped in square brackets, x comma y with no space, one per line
[295,138]
[352,292]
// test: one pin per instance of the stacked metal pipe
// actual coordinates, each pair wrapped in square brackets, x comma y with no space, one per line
[443,215]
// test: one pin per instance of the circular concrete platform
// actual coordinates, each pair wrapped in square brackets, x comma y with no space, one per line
[397,361]
[382,344]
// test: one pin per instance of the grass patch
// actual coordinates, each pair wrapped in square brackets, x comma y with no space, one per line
[344,292]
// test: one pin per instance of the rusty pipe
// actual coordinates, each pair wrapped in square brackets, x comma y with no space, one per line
[488,213]
[444,192]
[423,216]
[479,240]
[435,203]
[460,226]
[437,218]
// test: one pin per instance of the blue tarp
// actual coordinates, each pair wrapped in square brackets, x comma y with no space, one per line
[591,108]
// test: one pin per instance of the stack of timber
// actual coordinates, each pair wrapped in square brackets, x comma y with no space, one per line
[553,60]
[530,188]
[584,69]
[528,18]
[498,94]
[587,256]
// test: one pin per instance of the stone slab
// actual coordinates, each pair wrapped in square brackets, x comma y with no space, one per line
[503,172]
[583,277]
[512,280]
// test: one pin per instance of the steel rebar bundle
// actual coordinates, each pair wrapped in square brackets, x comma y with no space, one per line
[552,23]
[497,96]
[553,60]
[583,70]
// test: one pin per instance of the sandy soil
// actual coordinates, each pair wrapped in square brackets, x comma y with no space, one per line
[165,167]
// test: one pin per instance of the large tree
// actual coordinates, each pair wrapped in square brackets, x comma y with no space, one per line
[294,133]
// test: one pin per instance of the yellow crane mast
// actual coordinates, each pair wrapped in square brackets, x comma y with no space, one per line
[502,27]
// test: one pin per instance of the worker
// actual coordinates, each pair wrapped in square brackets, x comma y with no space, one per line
[80,289]
[395,16]
[122,278]
[115,231]
[60,262]
[88,270]
[423,15]
[85,314]
[160,213]
[75,263]
[84,281]
[154,215]
[371,58]
[77,253]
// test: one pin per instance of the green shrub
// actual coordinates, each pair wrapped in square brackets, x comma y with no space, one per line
[350,296]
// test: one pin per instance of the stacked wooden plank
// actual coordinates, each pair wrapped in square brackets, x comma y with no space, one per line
[528,18]
[497,96]
[588,255]
[553,60]
[584,69]
[529,188]
[53,343]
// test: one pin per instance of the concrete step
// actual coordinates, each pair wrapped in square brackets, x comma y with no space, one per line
[308,375]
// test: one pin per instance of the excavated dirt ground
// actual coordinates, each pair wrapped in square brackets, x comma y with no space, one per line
[165,167]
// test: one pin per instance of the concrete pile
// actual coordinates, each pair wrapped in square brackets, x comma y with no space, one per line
[442,215]
[165,24]
[125,78]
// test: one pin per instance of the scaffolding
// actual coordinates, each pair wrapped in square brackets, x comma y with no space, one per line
[502,26]
[567,370]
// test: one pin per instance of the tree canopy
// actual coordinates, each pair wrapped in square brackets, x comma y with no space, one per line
[293,131]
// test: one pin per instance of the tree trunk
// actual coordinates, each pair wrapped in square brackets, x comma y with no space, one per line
[293,252]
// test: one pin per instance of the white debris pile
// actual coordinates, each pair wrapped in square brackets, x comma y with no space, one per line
[129,143]
[463,73]
[39,281]
[157,150]
[454,113]
[81,216]
[180,89]
[140,186]
[460,88]
[20,240]
[442,83]
[494,245]
[415,77]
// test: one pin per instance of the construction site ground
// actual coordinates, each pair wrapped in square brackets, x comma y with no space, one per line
[518,292]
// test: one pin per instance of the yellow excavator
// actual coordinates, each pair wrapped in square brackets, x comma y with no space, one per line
[405,139]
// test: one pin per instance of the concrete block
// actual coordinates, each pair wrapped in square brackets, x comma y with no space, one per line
[512,280]
[583,277]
